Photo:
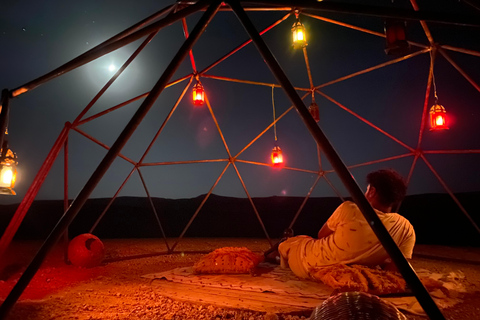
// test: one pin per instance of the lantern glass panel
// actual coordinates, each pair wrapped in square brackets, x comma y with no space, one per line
[277,157]
[300,35]
[439,120]
[6,177]
[198,95]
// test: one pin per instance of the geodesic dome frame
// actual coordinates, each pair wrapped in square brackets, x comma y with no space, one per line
[179,12]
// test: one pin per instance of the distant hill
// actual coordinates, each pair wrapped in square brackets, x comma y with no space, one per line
[436,217]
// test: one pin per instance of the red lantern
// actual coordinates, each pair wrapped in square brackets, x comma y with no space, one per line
[314,111]
[438,119]
[396,39]
[198,94]
[277,157]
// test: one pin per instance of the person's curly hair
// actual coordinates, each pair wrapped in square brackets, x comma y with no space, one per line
[389,185]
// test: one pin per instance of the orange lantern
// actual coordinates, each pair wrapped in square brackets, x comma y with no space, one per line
[396,39]
[438,119]
[8,171]
[198,94]
[277,157]
[299,34]
[314,111]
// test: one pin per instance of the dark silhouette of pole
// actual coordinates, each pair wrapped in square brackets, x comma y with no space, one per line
[374,221]
[102,168]
[377,11]
[112,44]
[4,115]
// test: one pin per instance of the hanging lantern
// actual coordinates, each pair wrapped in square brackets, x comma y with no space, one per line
[277,157]
[396,39]
[299,34]
[314,111]
[8,172]
[438,119]
[198,94]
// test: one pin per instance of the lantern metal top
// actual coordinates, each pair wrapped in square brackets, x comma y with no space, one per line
[437,108]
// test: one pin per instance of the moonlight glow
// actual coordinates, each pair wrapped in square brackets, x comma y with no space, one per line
[112,67]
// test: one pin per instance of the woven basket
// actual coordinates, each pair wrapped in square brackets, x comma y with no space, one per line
[356,306]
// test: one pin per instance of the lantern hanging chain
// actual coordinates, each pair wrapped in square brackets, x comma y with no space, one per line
[274,118]
[434,88]
[433,80]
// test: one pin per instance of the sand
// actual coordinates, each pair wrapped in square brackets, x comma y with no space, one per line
[117,290]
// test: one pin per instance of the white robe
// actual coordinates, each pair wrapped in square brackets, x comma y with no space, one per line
[352,242]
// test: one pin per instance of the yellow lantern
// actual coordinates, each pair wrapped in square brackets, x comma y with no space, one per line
[198,94]
[299,34]
[438,119]
[8,172]
[277,157]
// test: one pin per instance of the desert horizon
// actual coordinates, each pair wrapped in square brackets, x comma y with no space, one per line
[432,215]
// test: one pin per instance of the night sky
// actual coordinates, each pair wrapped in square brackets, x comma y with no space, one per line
[37,37]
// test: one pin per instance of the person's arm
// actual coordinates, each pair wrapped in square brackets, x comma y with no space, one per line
[337,215]
[406,247]
[325,231]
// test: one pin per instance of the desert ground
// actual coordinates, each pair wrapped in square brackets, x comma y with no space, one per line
[117,290]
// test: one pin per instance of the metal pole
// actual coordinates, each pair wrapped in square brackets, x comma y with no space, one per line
[244,44]
[456,66]
[402,264]
[22,209]
[109,158]
[154,209]
[4,115]
[180,237]
[65,198]
[452,195]
[423,23]
[113,78]
[377,11]
[362,10]
[107,48]
[112,200]
[423,122]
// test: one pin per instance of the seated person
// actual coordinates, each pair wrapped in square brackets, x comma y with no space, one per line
[347,238]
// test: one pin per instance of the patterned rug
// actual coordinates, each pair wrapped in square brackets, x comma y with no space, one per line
[277,290]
